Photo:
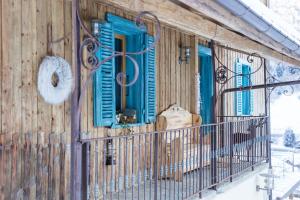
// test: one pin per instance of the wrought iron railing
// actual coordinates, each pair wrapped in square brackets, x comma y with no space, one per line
[173,164]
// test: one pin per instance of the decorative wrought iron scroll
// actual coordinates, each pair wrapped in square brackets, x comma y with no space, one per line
[222,71]
[222,75]
[271,78]
[91,44]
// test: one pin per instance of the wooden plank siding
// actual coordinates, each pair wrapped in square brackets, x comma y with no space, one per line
[35,136]
[39,167]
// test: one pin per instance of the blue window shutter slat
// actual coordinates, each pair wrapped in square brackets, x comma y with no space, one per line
[251,102]
[104,82]
[244,99]
[150,82]
[239,95]
[251,95]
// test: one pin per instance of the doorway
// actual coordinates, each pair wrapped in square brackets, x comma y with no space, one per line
[206,84]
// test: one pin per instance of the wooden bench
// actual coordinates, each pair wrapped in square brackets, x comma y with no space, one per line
[180,144]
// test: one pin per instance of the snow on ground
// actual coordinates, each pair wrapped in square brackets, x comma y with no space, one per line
[285,114]
[287,176]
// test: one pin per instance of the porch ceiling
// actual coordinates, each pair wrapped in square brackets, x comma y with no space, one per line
[217,12]
[188,15]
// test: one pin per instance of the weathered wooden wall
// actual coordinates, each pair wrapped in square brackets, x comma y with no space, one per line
[28,27]
[35,166]
[35,153]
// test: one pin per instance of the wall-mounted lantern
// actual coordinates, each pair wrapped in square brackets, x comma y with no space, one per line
[184,54]
[95,27]
[110,152]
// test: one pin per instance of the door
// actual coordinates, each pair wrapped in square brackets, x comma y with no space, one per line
[206,85]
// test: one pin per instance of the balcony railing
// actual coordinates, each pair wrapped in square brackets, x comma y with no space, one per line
[173,164]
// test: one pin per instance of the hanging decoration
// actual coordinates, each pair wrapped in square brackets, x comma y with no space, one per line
[55,80]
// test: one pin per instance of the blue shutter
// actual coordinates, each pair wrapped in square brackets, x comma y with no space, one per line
[251,102]
[150,82]
[251,94]
[246,93]
[104,81]
[239,83]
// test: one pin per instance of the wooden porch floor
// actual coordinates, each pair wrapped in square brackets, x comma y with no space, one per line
[171,189]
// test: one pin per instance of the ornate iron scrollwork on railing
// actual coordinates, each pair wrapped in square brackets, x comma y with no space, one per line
[222,72]
[91,49]
[277,76]
[90,45]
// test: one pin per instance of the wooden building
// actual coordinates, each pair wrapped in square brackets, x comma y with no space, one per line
[35,137]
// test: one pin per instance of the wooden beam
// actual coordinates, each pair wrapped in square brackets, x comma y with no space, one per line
[195,66]
[175,15]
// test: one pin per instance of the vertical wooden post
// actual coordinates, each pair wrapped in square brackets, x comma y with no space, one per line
[195,69]
[76,148]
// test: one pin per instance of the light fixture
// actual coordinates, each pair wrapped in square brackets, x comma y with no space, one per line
[187,54]
[110,152]
[95,26]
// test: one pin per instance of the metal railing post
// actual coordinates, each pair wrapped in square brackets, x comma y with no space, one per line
[155,165]
[201,158]
[213,159]
[231,130]
[253,136]
[268,142]
[85,170]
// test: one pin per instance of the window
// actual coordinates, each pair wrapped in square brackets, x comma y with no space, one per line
[114,104]
[243,99]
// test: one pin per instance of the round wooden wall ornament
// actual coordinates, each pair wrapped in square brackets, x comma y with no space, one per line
[55,81]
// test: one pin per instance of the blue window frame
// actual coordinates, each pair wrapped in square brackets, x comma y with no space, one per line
[140,97]
[206,84]
[243,99]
